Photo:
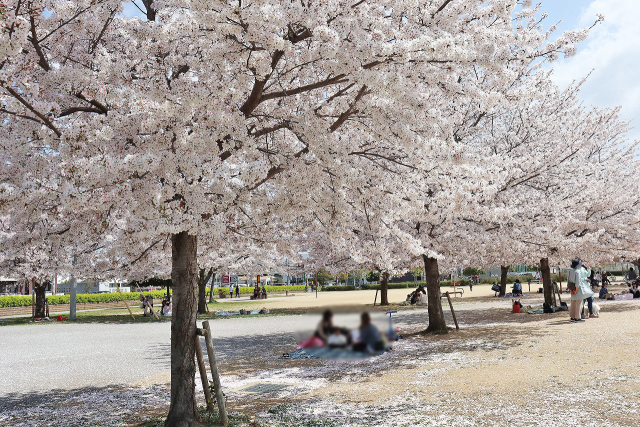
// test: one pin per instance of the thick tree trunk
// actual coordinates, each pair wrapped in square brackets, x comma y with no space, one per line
[213,280]
[384,288]
[504,271]
[184,277]
[40,290]
[546,280]
[436,315]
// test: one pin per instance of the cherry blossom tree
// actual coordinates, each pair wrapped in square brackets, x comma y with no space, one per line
[169,130]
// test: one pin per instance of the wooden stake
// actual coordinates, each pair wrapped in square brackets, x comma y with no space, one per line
[152,310]
[453,313]
[125,301]
[203,375]
[558,291]
[217,387]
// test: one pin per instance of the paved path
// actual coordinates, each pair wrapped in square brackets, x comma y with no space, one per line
[69,356]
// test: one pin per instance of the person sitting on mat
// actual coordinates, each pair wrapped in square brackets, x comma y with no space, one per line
[517,287]
[337,340]
[604,293]
[325,327]
[369,339]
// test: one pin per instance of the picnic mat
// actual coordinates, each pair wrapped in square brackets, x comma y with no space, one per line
[327,353]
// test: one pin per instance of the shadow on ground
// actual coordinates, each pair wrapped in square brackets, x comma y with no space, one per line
[103,406]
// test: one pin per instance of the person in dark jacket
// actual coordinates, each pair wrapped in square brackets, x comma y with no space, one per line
[370,339]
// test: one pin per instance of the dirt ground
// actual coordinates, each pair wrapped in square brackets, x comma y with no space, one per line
[348,298]
[499,369]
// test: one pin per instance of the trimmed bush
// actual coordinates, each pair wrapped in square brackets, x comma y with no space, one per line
[340,288]
[25,300]
[402,285]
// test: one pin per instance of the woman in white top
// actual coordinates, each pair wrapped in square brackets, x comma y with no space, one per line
[582,290]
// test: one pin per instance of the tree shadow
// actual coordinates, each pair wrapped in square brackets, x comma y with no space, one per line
[110,405]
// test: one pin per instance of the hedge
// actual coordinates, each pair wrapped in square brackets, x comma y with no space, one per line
[340,288]
[25,300]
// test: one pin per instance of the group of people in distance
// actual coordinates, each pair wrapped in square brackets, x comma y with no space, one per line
[366,339]
[417,296]
[259,292]
[146,303]
[237,290]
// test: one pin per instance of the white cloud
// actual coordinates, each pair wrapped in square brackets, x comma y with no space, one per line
[611,51]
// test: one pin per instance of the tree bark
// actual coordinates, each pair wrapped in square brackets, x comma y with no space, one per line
[203,279]
[184,278]
[213,281]
[436,315]
[546,280]
[40,291]
[504,271]
[384,288]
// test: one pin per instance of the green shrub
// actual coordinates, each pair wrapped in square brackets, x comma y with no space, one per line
[340,288]
[25,300]
[402,285]
[223,291]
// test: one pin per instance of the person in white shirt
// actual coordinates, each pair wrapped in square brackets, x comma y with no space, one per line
[337,340]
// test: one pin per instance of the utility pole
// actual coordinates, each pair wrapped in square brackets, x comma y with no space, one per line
[74,289]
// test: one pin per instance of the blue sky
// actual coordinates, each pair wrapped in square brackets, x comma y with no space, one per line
[610,54]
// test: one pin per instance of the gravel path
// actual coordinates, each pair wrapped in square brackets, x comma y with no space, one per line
[68,356]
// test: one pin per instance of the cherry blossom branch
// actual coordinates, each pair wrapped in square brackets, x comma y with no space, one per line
[41,116]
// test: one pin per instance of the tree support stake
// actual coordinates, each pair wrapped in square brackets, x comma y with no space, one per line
[217,387]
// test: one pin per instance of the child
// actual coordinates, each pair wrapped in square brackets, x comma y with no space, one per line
[337,340]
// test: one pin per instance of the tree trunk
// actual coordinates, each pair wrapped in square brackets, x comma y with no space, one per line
[202,293]
[436,315]
[546,280]
[384,288]
[40,290]
[184,278]
[213,281]
[504,271]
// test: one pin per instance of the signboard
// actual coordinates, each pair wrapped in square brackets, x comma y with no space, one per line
[225,279]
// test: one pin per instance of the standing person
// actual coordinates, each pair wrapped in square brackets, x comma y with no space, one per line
[230,290]
[632,274]
[592,278]
[579,288]
[605,278]
[237,291]
[573,277]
